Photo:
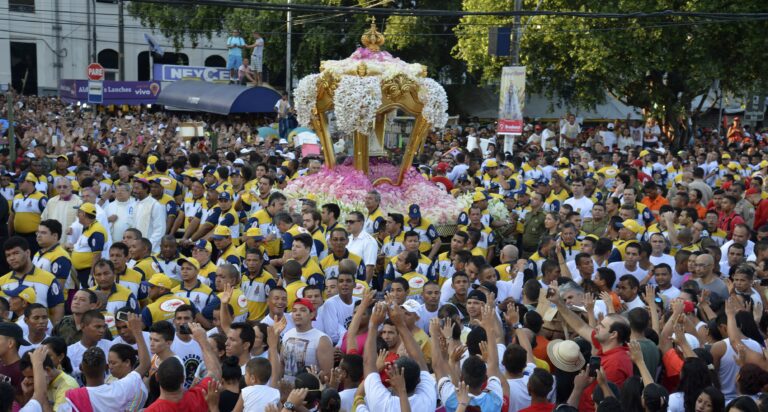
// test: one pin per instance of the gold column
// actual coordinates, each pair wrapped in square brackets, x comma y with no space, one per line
[320,127]
[361,152]
[418,135]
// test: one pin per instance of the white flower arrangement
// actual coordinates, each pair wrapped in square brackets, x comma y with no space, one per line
[496,207]
[435,101]
[355,103]
[305,96]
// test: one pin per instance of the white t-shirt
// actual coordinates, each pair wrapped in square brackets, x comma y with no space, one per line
[379,399]
[656,260]
[75,352]
[300,350]
[424,316]
[126,394]
[676,402]
[446,389]
[334,316]
[191,357]
[257,397]
[621,269]
[583,206]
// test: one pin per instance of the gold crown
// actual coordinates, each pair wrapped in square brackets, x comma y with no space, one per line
[372,39]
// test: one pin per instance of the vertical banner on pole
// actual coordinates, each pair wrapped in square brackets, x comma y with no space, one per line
[511,100]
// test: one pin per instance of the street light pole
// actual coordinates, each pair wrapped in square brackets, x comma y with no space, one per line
[121,40]
[289,22]
[518,34]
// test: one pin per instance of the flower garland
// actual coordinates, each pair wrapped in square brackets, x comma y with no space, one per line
[355,103]
[347,188]
[305,96]
[435,102]
[496,207]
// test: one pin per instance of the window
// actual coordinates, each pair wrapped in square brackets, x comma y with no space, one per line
[215,61]
[110,60]
[24,6]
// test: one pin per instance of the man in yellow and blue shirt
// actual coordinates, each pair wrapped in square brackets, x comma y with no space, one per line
[23,272]
[118,296]
[26,209]
[199,294]
[90,245]
[256,284]
[164,303]
[429,241]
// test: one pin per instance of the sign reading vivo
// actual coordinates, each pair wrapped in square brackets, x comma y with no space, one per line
[109,92]
[172,73]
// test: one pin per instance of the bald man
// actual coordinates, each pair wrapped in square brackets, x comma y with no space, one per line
[704,272]
[508,258]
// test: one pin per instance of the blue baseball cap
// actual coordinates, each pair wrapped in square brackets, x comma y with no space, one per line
[225,196]
[414,211]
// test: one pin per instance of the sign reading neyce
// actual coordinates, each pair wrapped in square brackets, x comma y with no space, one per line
[172,73]
[114,92]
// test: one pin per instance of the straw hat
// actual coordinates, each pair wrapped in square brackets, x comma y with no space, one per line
[565,355]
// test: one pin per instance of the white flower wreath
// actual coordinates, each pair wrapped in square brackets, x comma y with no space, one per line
[355,103]
[305,96]
[435,101]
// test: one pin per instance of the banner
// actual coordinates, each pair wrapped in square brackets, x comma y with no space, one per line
[511,100]
[113,92]
[173,73]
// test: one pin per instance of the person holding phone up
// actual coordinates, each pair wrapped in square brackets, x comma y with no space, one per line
[609,338]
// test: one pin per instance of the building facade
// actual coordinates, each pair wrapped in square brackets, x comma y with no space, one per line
[44,41]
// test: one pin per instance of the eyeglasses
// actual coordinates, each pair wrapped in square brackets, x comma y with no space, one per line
[349,222]
[62,187]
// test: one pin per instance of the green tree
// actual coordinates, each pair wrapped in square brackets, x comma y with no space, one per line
[659,64]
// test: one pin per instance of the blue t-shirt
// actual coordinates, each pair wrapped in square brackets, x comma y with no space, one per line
[236,41]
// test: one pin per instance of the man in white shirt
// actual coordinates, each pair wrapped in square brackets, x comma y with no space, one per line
[628,290]
[580,203]
[629,266]
[362,244]
[336,312]
[62,207]
[150,215]
[421,389]
[183,345]
[93,326]
[120,212]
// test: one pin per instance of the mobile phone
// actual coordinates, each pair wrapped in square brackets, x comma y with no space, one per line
[550,292]
[122,316]
[594,365]
[185,330]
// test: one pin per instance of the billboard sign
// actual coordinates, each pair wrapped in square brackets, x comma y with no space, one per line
[173,73]
[511,100]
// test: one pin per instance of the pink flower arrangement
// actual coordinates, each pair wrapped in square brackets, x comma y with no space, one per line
[363,53]
[347,187]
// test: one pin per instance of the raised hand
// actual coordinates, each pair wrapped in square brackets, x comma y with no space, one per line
[379,315]
[396,313]
[589,302]
[226,295]
[462,393]
[512,316]
[279,325]
[212,395]
[458,352]
[677,306]
[635,352]
[381,359]
[553,293]
[582,380]
[273,337]
[396,379]
[198,333]
[297,396]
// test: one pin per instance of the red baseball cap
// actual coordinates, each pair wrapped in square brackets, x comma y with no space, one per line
[442,167]
[306,303]
[752,191]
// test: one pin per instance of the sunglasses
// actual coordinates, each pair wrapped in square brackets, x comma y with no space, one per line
[349,222]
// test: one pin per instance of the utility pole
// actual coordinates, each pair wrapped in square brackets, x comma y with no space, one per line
[518,34]
[121,40]
[289,22]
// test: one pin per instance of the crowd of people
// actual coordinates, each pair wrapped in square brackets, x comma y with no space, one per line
[146,271]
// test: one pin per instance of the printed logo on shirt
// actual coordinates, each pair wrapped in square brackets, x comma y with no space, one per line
[170,305]
[416,283]
[242,301]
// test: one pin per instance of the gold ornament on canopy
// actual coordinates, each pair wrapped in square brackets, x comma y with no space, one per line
[361,91]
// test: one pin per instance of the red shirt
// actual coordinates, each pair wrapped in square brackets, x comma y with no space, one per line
[193,401]
[761,213]
[728,222]
[539,407]
[617,366]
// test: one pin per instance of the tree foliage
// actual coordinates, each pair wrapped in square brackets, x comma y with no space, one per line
[659,64]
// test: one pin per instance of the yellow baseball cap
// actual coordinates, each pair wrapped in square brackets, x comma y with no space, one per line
[161,280]
[725,156]
[192,261]
[644,153]
[203,244]
[220,232]
[254,232]
[152,160]
[24,292]
[29,177]
[491,163]
[632,226]
[733,166]
[88,208]
[563,161]
[478,197]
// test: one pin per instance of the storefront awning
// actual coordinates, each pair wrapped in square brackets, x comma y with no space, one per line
[218,98]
